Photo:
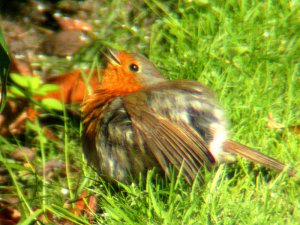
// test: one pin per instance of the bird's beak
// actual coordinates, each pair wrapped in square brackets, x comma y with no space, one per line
[112,57]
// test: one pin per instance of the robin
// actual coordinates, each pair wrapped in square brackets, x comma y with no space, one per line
[137,120]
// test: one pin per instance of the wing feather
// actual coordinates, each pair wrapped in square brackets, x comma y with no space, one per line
[168,141]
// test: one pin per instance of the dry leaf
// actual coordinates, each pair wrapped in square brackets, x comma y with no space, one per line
[64,43]
[23,154]
[295,129]
[18,125]
[20,66]
[4,176]
[72,87]
[82,209]
[53,168]
[67,23]
[8,214]
[13,118]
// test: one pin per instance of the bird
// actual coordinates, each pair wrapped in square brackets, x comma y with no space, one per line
[137,120]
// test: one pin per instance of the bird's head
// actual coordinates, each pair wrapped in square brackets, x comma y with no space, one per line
[128,72]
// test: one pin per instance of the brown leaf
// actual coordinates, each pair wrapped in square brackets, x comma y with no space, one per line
[20,66]
[53,168]
[49,218]
[49,134]
[295,129]
[72,87]
[4,176]
[92,206]
[22,43]
[13,118]
[23,154]
[64,43]
[82,209]
[10,200]
[67,23]
[8,214]
[80,205]
[18,125]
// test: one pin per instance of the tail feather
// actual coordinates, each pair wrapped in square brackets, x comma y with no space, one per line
[256,156]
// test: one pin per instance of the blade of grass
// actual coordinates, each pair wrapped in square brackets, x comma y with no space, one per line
[25,205]
[4,66]
[32,218]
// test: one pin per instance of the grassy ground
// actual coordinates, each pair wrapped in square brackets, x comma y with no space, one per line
[248,53]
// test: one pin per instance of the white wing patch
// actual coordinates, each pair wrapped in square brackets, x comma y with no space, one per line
[219,131]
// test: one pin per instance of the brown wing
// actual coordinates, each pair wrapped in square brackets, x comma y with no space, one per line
[170,139]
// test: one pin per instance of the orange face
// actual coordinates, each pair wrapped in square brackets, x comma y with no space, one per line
[121,73]
[128,72]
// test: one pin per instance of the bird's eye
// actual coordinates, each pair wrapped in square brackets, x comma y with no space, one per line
[134,67]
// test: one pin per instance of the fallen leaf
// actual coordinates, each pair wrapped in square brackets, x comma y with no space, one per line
[81,208]
[67,23]
[49,134]
[13,117]
[23,44]
[92,207]
[72,87]
[64,43]
[20,66]
[49,218]
[295,129]
[18,125]
[23,154]
[32,114]
[4,177]
[53,168]
[8,214]
[80,205]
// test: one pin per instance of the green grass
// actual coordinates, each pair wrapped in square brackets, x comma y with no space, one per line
[248,53]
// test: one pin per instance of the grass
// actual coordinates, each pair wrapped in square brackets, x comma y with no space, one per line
[247,52]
